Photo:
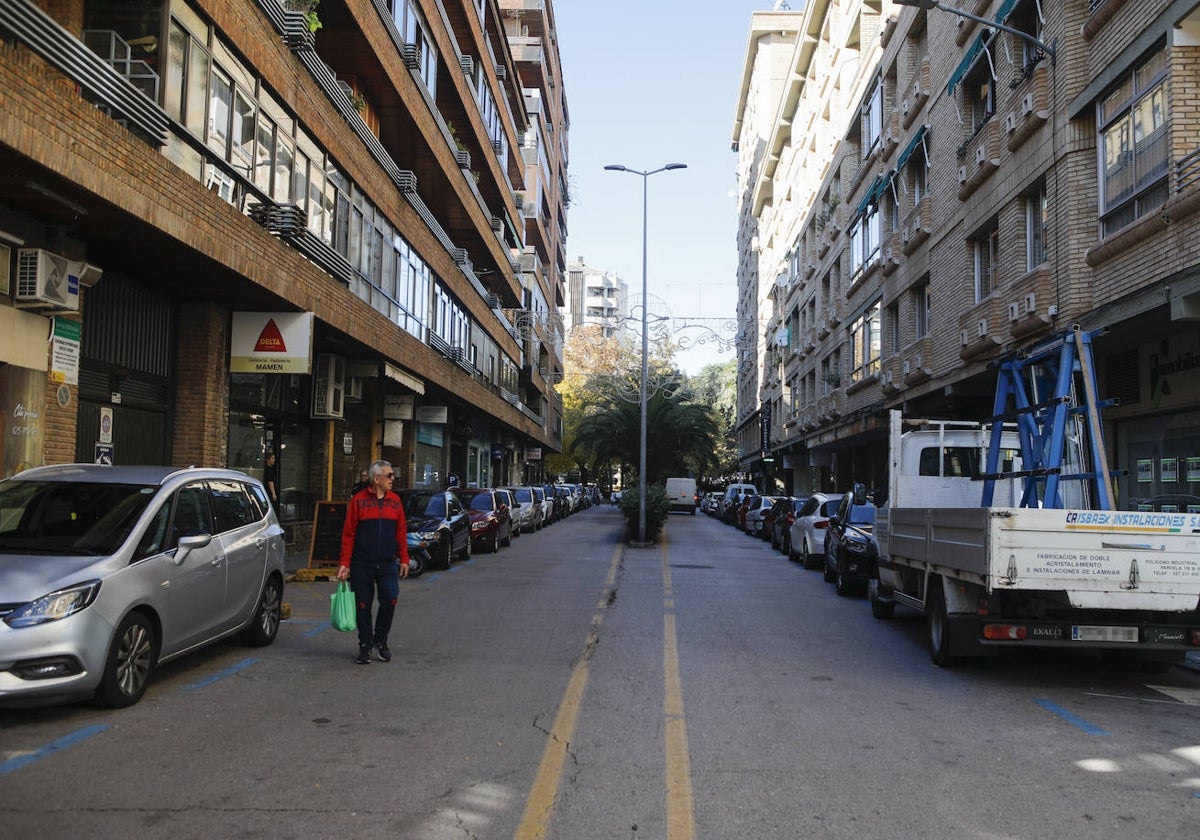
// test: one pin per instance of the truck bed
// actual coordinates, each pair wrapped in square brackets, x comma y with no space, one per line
[1125,560]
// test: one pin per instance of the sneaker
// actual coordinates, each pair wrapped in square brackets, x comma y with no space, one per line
[385,653]
[364,656]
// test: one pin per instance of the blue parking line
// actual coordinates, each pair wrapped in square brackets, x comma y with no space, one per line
[1070,717]
[232,669]
[51,748]
[320,628]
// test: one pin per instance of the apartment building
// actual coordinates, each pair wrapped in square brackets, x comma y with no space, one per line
[999,187]
[596,298]
[234,227]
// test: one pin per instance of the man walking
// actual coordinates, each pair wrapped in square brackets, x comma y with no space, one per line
[374,539]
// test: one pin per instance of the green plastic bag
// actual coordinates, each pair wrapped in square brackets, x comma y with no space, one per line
[343,614]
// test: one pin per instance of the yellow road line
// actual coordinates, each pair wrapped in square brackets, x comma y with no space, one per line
[681,819]
[539,807]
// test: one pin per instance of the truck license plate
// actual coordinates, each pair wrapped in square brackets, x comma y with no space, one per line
[1085,633]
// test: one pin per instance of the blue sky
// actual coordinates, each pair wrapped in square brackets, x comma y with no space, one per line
[648,83]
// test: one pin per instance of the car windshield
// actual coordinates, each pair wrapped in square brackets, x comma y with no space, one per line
[73,517]
[523,495]
[425,504]
[482,501]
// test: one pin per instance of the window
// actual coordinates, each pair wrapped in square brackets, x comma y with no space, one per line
[985,252]
[872,113]
[831,372]
[1027,19]
[1134,148]
[1035,228]
[893,327]
[920,309]
[979,90]
[864,344]
[918,174]
[864,239]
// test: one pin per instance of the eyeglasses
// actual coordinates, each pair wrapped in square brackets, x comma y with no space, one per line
[388,476]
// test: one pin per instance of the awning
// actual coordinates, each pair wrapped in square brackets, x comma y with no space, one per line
[407,380]
[964,66]
[911,147]
[871,196]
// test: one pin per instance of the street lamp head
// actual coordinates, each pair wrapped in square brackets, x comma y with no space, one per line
[616,167]
[675,166]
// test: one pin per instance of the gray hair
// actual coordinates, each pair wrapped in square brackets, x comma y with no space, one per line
[377,467]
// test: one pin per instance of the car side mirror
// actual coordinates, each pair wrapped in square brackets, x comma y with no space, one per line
[190,543]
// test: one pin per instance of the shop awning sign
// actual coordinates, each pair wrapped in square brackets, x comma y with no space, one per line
[271,342]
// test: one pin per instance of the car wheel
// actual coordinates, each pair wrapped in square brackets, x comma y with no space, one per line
[937,625]
[880,609]
[444,553]
[494,548]
[830,571]
[262,629]
[507,541]
[840,585]
[132,655]
[792,554]
[466,550]
[416,565]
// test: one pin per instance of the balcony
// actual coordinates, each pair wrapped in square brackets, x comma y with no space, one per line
[916,366]
[918,225]
[1030,306]
[981,330]
[915,94]
[892,252]
[980,158]
[1032,108]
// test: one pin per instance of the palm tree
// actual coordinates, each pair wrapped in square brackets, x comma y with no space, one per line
[680,434]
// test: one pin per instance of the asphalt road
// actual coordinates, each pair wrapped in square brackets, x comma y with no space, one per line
[571,687]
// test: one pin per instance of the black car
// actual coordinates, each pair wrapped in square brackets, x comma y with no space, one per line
[440,521]
[782,518]
[851,553]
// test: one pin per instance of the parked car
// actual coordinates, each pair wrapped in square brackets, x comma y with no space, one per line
[807,540]
[442,523]
[529,512]
[615,497]
[539,499]
[491,518]
[782,515]
[548,517]
[107,573]
[752,522]
[708,502]
[731,497]
[851,554]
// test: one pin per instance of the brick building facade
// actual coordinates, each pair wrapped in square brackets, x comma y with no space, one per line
[177,166]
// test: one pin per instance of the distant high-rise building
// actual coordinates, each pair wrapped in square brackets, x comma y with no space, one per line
[596,297]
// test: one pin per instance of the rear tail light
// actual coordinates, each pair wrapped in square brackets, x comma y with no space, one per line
[1196,637]
[1004,632]
[819,525]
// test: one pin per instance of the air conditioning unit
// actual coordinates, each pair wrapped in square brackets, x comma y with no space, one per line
[981,328]
[467,63]
[354,389]
[1010,122]
[1030,302]
[962,174]
[1027,105]
[329,379]
[964,338]
[501,72]
[1014,311]
[46,280]
[905,107]
[980,155]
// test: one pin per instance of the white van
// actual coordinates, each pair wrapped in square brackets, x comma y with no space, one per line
[733,492]
[682,493]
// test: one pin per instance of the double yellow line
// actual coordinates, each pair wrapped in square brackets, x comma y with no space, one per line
[539,807]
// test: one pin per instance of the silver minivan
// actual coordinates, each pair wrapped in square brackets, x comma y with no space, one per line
[107,572]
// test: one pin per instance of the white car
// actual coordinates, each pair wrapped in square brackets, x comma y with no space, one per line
[108,572]
[809,527]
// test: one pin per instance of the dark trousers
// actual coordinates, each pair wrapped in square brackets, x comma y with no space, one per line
[365,579]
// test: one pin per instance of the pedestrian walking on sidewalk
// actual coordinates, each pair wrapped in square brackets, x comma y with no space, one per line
[374,557]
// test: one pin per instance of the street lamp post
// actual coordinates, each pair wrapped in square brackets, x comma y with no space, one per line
[644,397]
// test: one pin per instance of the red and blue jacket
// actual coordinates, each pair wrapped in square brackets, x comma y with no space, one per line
[375,530]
